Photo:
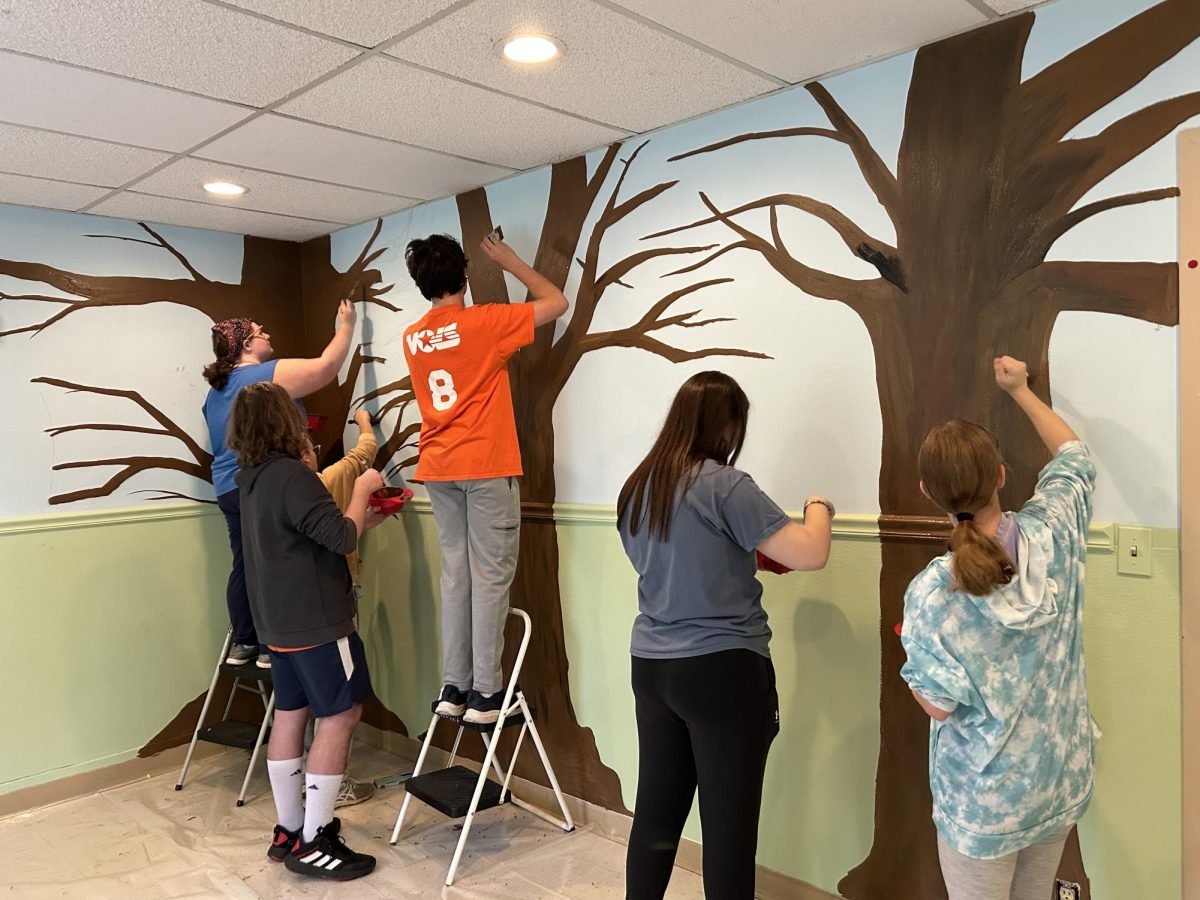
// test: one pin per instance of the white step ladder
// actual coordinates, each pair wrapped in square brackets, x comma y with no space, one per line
[457,791]
[229,732]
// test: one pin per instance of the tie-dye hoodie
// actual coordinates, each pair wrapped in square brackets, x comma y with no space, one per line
[1012,764]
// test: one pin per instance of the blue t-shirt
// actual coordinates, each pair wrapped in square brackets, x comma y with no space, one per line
[217,407]
[697,591]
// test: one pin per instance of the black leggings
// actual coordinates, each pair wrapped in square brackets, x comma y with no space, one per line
[705,721]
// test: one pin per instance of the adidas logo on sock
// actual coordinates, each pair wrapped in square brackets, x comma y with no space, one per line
[297,772]
[312,787]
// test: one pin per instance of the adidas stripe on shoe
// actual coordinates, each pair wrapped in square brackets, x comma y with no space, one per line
[327,856]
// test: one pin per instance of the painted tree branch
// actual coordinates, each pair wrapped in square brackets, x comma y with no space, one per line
[1073,218]
[762,136]
[199,466]
[878,176]
[159,241]
[1138,290]
[815,282]
[638,334]
[1086,80]
[1128,138]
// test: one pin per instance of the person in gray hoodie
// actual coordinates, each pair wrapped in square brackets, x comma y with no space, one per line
[295,541]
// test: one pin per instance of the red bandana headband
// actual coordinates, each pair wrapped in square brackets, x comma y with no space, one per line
[235,332]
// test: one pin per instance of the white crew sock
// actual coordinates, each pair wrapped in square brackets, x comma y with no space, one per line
[287,785]
[320,797]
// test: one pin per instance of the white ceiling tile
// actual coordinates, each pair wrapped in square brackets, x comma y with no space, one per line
[776,37]
[614,70]
[271,193]
[364,22]
[66,157]
[170,211]
[25,191]
[388,98]
[62,98]
[185,44]
[306,150]
[1008,6]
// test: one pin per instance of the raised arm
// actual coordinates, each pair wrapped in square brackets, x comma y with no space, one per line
[1012,376]
[548,301]
[804,548]
[301,377]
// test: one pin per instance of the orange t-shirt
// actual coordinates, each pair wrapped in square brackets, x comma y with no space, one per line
[458,359]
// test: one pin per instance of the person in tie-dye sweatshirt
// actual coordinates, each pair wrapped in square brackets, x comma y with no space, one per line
[993,631]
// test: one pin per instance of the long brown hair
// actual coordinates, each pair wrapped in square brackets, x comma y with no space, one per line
[960,465]
[265,421]
[707,420]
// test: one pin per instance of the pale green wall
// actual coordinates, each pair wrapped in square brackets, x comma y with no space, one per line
[819,803]
[112,626]
[112,622]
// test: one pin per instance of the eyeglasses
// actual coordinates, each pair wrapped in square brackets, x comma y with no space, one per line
[316,449]
[256,333]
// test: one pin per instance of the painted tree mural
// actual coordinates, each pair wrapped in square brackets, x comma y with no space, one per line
[538,374]
[986,182]
[270,293]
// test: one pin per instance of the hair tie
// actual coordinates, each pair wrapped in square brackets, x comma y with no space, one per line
[964,516]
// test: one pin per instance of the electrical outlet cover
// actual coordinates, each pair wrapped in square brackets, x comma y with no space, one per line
[1135,550]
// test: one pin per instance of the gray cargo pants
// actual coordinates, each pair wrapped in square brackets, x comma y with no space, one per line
[479,528]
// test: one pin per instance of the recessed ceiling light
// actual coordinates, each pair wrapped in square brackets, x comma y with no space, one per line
[225,188]
[531,48]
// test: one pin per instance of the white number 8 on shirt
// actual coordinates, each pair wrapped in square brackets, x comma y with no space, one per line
[441,386]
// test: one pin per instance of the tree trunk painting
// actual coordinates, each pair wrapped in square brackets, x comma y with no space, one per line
[985,184]
[538,374]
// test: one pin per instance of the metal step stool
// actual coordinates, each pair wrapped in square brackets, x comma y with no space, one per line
[230,732]
[459,792]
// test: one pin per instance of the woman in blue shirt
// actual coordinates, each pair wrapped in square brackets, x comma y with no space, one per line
[993,631]
[703,682]
[244,356]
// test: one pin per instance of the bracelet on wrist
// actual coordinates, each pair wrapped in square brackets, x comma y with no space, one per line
[823,502]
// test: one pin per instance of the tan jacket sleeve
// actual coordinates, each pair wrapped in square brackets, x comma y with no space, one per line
[339,480]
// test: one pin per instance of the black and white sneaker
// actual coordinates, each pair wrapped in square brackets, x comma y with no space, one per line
[452,704]
[240,654]
[483,710]
[327,856]
[282,843]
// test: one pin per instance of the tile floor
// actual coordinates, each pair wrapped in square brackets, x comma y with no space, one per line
[145,840]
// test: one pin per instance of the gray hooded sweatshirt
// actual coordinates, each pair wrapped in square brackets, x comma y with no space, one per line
[295,540]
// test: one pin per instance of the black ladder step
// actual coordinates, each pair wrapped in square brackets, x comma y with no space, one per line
[230,733]
[449,791]
[249,671]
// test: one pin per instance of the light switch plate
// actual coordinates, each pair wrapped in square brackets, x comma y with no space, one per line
[1135,548]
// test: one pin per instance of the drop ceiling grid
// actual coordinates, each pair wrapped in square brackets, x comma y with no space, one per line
[797,46]
[391,99]
[186,44]
[615,70]
[272,193]
[348,145]
[307,150]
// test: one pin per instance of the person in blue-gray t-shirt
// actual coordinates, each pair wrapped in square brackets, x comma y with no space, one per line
[993,632]
[703,683]
[244,356]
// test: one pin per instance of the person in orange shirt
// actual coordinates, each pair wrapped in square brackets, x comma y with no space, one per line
[469,458]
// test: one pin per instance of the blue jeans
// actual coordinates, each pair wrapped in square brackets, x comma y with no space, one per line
[236,597]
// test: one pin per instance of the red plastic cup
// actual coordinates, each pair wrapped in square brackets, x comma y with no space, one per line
[766,564]
[388,501]
[316,422]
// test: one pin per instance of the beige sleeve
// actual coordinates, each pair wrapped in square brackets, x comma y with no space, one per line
[339,478]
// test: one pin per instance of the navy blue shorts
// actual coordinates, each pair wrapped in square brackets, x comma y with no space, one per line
[329,679]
